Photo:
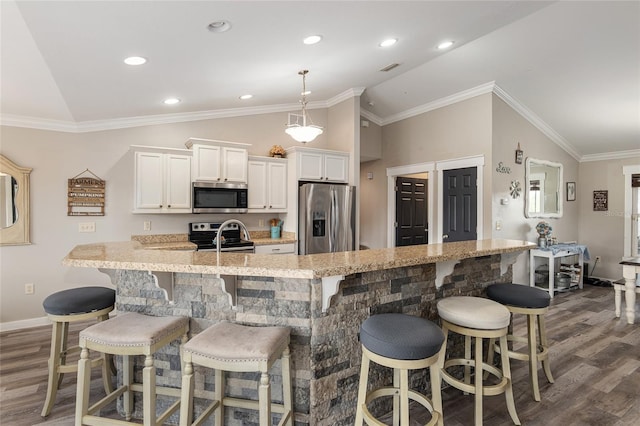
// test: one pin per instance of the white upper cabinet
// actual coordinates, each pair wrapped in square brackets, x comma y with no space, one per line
[267,185]
[162,180]
[320,165]
[219,161]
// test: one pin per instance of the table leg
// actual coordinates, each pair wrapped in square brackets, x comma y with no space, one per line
[552,275]
[629,272]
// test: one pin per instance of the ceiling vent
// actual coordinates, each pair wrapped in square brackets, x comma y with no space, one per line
[390,67]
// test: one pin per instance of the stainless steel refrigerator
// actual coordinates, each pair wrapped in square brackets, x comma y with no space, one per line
[326,218]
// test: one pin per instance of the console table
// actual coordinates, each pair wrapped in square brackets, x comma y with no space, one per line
[630,269]
[551,254]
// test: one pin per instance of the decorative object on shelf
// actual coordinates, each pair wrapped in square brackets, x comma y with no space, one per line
[502,168]
[86,195]
[277,151]
[571,191]
[601,200]
[519,155]
[516,189]
[544,233]
[297,126]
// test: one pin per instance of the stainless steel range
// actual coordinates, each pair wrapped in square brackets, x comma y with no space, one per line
[204,236]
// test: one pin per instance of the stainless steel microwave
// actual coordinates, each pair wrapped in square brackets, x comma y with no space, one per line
[215,197]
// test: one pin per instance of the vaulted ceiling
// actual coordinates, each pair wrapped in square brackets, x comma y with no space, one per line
[571,67]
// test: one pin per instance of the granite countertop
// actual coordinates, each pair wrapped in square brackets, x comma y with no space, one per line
[136,256]
[181,241]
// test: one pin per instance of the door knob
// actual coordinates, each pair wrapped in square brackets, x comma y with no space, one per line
[445,236]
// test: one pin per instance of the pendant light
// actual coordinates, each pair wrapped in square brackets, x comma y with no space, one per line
[297,127]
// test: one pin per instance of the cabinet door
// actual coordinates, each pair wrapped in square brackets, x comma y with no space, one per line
[149,181]
[257,185]
[310,166]
[234,163]
[207,163]
[178,181]
[277,190]
[336,168]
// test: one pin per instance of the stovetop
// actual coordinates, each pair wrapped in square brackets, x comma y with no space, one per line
[204,235]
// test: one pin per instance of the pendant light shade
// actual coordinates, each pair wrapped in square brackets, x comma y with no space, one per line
[297,126]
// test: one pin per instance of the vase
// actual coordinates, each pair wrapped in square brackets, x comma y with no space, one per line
[277,155]
[542,242]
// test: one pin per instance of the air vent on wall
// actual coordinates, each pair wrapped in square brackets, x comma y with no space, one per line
[390,67]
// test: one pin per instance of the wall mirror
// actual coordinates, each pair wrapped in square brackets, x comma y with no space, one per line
[543,188]
[14,203]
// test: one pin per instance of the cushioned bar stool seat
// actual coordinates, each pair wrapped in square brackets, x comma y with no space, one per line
[70,306]
[402,342]
[128,334]
[234,347]
[534,303]
[478,318]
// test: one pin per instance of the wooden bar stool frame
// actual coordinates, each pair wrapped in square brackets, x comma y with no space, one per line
[84,412]
[263,405]
[537,351]
[60,350]
[480,367]
[400,389]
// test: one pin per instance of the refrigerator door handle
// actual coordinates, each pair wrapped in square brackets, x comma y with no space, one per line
[332,220]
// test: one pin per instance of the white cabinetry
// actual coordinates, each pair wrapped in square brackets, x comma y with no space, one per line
[320,165]
[162,180]
[219,161]
[288,248]
[267,185]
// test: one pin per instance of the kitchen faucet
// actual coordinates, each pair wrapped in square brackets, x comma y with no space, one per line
[221,228]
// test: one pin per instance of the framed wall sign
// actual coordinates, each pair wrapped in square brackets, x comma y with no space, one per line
[519,155]
[571,191]
[600,201]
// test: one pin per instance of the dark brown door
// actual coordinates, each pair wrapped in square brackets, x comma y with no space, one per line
[460,205]
[411,211]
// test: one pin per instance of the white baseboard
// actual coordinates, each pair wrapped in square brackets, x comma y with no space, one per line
[28,323]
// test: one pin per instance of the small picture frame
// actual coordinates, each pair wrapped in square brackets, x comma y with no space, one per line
[519,155]
[571,191]
[601,201]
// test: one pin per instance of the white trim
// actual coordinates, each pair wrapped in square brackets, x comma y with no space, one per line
[341,97]
[442,102]
[461,163]
[22,324]
[392,173]
[619,155]
[628,171]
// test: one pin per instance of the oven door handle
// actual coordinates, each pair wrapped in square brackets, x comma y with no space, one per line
[244,248]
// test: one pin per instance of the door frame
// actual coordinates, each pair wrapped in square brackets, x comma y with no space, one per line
[435,227]
[627,171]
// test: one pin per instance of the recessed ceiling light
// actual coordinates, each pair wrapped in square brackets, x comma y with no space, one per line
[219,26]
[389,42]
[171,101]
[135,60]
[312,39]
[245,97]
[445,45]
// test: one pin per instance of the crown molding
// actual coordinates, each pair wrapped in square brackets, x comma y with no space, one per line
[38,123]
[371,117]
[537,122]
[442,102]
[347,94]
[618,155]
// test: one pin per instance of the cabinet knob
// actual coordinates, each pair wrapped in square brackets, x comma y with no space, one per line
[160,206]
[264,207]
[270,207]
[326,178]
[218,178]
[225,179]
[169,206]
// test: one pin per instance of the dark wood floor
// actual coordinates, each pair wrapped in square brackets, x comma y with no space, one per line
[595,359]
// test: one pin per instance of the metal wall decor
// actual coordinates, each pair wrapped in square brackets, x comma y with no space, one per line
[503,169]
[515,189]
[86,195]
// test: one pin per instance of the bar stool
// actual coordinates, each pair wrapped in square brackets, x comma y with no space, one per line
[402,342]
[478,318]
[534,303]
[233,347]
[63,308]
[128,334]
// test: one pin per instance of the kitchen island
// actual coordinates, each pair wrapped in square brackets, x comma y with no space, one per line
[323,298]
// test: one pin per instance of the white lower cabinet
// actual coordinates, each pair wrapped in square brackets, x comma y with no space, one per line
[162,181]
[267,185]
[275,249]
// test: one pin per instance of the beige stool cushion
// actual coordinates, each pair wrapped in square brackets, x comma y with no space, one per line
[474,312]
[133,330]
[234,342]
